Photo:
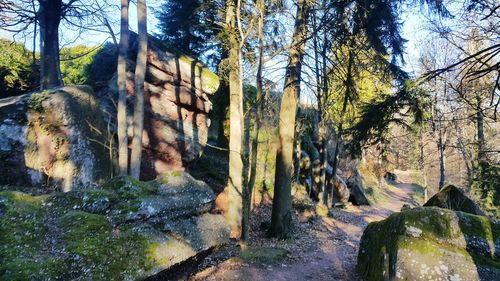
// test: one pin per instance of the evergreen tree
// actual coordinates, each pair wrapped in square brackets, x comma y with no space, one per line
[189,26]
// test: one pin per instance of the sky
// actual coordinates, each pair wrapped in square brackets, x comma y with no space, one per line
[412,30]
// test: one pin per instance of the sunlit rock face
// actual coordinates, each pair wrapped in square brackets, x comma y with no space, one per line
[54,140]
[123,230]
[176,109]
[454,198]
[430,243]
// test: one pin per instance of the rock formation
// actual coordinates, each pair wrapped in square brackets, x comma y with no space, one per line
[453,198]
[430,243]
[176,118]
[54,140]
[125,230]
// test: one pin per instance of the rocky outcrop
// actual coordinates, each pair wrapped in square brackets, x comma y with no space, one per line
[177,104]
[454,198]
[357,192]
[125,230]
[430,243]
[339,188]
[53,140]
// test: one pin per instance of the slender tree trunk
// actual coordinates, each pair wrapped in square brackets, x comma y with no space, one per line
[442,160]
[322,122]
[281,220]
[247,198]
[480,131]
[122,91]
[349,84]
[140,73]
[319,184]
[49,17]
[234,187]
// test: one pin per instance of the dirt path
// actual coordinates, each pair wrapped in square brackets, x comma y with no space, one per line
[325,249]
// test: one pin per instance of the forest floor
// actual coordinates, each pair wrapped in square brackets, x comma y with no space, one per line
[321,248]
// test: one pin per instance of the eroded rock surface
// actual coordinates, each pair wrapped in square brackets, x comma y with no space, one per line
[177,105]
[53,140]
[125,230]
[453,198]
[430,243]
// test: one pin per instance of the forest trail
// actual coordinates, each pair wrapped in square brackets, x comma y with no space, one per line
[326,249]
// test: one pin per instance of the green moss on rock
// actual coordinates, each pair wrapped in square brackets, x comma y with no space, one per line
[429,243]
[117,232]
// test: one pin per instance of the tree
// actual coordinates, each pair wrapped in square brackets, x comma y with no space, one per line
[122,90]
[18,15]
[234,187]
[189,26]
[16,69]
[140,73]
[281,219]
[49,15]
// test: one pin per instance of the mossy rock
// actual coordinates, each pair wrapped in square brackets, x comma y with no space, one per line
[55,140]
[95,234]
[453,198]
[430,243]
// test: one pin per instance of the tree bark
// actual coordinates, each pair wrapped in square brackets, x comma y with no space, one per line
[442,159]
[247,198]
[122,91]
[480,131]
[281,220]
[49,16]
[234,187]
[140,73]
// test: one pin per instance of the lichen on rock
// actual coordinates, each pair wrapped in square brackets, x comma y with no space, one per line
[103,234]
[430,243]
[55,139]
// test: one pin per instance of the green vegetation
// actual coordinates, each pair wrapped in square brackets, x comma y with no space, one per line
[85,241]
[17,72]
[486,187]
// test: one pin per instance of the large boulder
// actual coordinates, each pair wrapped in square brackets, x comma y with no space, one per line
[53,140]
[454,198]
[355,185]
[430,243]
[125,230]
[177,104]
[340,191]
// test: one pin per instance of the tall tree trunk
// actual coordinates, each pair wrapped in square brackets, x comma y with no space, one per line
[122,91]
[322,120]
[281,220]
[234,187]
[247,195]
[140,73]
[480,131]
[49,17]
[442,159]
[349,85]
[319,184]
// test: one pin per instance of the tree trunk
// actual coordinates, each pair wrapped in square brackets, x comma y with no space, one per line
[234,187]
[247,198]
[140,73]
[122,91]
[281,220]
[480,131]
[322,121]
[442,160]
[49,16]
[349,84]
